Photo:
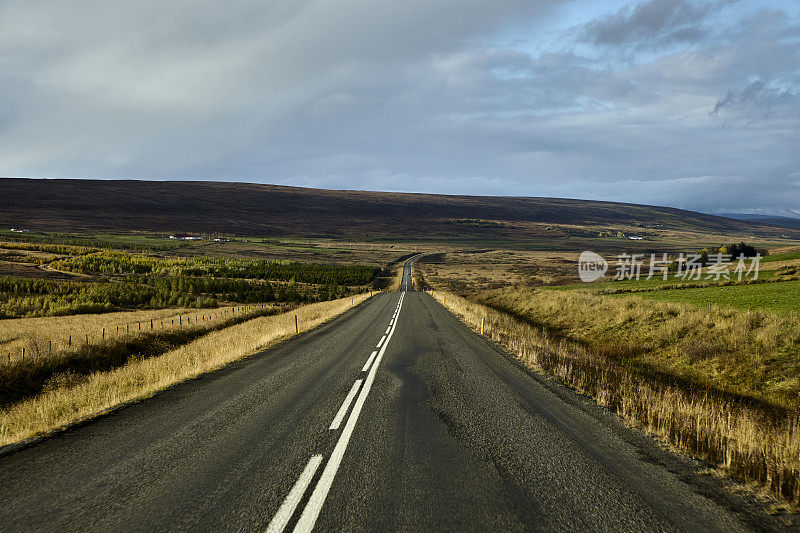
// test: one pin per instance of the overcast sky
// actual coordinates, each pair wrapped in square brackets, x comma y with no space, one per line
[693,104]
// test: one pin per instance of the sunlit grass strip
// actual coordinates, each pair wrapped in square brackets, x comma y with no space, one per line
[139,379]
[750,442]
[42,335]
[25,378]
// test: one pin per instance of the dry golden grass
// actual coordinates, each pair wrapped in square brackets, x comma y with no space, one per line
[90,396]
[752,353]
[397,278]
[35,335]
[749,441]
[475,270]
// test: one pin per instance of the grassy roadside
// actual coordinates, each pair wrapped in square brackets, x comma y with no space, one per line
[65,403]
[22,378]
[41,336]
[749,440]
[720,384]
[752,354]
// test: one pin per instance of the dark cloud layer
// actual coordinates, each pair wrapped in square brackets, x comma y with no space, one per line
[692,104]
[654,23]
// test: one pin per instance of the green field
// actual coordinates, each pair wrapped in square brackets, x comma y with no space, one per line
[781,257]
[115,241]
[782,296]
[779,296]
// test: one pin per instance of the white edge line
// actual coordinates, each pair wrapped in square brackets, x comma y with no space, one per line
[345,405]
[317,499]
[369,361]
[288,506]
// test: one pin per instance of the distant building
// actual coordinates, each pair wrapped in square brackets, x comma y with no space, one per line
[221,239]
[635,237]
[18,230]
[185,237]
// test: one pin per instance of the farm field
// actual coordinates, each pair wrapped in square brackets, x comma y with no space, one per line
[781,297]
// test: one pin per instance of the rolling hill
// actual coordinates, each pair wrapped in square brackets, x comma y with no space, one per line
[92,206]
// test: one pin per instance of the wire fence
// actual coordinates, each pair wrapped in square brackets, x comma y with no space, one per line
[37,344]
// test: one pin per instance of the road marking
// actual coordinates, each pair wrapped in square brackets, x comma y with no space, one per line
[317,500]
[381,341]
[288,506]
[369,361]
[345,405]
[388,329]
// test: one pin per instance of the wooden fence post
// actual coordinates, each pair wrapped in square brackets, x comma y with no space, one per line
[483,320]
[70,341]
[296,325]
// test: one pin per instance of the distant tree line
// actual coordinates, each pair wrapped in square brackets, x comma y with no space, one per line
[118,263]
[21,297]
[733,250]
[747,250]
[60,249]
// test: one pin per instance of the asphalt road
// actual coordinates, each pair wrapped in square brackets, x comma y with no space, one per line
[393,416]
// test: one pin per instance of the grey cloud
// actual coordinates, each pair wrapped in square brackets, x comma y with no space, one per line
[653,24]
[758,100]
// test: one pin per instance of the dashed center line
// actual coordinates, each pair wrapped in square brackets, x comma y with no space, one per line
[317,499]
[286,510]
[369,361]
[345,405]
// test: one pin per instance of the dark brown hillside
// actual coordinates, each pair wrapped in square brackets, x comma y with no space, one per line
[254,209]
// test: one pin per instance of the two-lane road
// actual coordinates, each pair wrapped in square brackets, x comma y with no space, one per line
[393,416]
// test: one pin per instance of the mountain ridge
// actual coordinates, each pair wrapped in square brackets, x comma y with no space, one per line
[82,205]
